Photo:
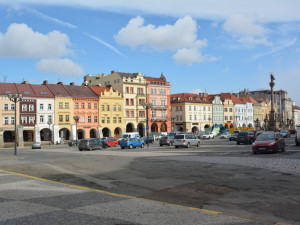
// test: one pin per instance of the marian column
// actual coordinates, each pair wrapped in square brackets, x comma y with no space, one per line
[272,122]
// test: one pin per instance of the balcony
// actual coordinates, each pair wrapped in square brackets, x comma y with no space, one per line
[161,107]
[159,118]
[141,95]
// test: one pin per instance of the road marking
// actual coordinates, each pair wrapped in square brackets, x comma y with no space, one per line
[127,196]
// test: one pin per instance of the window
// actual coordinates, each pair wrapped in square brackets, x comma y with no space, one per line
[132,113]
[5,120]
[107,119]
[127,113]
[67,118]
[24,108]
[177,118]
[12,107]
[153,102]
[50,119]
[103,119]
[102,107]
[131,102]
[153,114]
[31,107]
[82,105]
[82,119]
[131,90]
[95,119]
[119,108]
[195,108]
[12,120]
[140,80]
[203,108]
[195,117]
[31,119]
[49,106]
[163,102]
[163,114]
[127,89]
[60,118]
[60,105]
[226,117]
[114,108]
[41,119]
[76,105]
[66,105]
[119,120]
[141,113]
[151,91]
[107,107]
[95,105]
[176,108]
[115,120]
[89,119]
[180,108]
[127,101]
[24,120]
[225,109]
[89,105]
[190,117]
[190,108]
[180,117]
[41,106]
[155,91]
[204,117]
[5,107]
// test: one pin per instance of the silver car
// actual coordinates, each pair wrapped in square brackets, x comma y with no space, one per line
[186,140]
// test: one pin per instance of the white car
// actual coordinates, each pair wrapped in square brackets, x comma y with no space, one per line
[208,135]
[224,136]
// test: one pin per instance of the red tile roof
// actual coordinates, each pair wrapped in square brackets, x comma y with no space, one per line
[80,91]
[248,99]
[42,91]
[188,97]
[25,90]
[98,90]
[8,88]
[58,90]
[235,100]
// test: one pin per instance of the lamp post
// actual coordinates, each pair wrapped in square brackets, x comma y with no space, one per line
[49,123]
[76,118]
[147,106]
[15,98]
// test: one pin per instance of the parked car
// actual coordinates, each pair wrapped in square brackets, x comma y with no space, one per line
[103,141]
[73,142]
[258,133]
[297,136]
[89,144]
[150,139]
[132,143]
[285,133]
[111,141]
[36,145]
[245,137]
[233,137]
[269,141]
[224,135]
[186,140]
[208,135]
[166,140]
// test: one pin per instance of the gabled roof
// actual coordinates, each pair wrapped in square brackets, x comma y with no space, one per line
[8,88]
[58,90]
[156,79]
[224,96]
[188,97]
[42,91]
[295,107]
[25,90]
[235,100]
[80,91]
[248,99]
[98,90]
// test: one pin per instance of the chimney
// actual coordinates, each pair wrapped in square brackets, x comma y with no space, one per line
[45,82]
[112,71]
[72,84]
[24,82]
[60,82]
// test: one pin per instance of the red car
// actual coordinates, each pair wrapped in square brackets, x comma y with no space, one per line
[268,142]
[112,142]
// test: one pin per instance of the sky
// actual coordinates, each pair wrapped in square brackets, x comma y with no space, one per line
[199,45]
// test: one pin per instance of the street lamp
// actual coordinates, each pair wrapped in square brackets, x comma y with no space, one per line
[49,123]
[147,106]
[76,118]
[15,98]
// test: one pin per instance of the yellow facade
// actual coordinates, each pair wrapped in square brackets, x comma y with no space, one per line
[64,112]
[257,113]
[111,113]
[228,113]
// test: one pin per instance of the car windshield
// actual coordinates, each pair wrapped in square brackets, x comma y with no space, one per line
[206,133]
[265,137]
[283,131]
[179,137]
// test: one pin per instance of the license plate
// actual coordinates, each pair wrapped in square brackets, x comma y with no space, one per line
[261,148]
[178,140]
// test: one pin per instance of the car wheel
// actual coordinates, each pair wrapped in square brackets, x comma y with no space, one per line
[187,145]
[176,146]
[198,144]
[116,145]
[80,149]
[101,147]
[209,137]
[254,153]
[238,143]
[142,146]
[276,148]
[213,137]
[122,147]
[283,148]
[91,148]
[160,145]
[130,146]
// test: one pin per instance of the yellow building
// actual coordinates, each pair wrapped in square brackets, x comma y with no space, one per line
[63,113]
[228,110]
[111,111]
[265,109]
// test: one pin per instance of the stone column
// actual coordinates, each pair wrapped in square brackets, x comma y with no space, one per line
[37,134]
[99,133]
[19,137]
[1,139]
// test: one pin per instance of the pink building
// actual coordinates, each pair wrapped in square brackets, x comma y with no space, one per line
[158,94]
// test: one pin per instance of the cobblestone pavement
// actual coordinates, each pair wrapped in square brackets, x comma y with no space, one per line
[30,201]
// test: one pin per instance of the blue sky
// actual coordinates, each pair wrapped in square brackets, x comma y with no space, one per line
[199,45]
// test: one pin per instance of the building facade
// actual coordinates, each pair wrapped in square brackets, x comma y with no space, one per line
[226,98]
[218,110]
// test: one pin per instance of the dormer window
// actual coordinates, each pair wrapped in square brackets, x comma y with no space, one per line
[26,92]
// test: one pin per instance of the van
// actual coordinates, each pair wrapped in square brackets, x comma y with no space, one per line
[131,135]
[185,140]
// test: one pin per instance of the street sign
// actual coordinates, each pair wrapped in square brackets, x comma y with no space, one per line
[147,127]
[20,127]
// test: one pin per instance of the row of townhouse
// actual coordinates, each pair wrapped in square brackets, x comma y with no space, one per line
[46,112]
[138,90]
[199,112]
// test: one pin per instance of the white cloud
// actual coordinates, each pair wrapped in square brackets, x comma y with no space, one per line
[251,41]
[168,37]
[192,55]
[196,91]
[60,66]
[22,42]
[225,70]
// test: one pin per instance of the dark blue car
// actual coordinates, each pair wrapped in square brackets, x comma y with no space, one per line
[131,143]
